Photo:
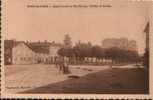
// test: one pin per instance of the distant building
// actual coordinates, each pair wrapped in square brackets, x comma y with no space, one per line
[122,43]
[132,45]
[23,54]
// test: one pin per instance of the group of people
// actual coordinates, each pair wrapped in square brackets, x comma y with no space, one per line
[63,65]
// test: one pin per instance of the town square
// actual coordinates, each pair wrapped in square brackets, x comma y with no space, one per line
[49,67]
[76,48]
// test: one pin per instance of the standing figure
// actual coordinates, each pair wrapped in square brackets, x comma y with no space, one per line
[66,67]
[61,63]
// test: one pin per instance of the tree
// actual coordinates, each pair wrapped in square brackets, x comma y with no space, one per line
[112,53]
[96,51]
[66,52]
[82,50]
[118,55]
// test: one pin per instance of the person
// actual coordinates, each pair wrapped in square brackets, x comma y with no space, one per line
[66,67]
[56,62]
[63,65]
[61,61]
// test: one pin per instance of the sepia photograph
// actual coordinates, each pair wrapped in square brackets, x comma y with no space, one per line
[76,47]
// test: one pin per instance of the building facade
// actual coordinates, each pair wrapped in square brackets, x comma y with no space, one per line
[53,52]
[122,43]
[22,54]
[132,45]
[41,50]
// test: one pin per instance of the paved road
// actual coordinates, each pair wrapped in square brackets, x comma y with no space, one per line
[24,77]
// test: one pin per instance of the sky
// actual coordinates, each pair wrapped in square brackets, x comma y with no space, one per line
[123,19]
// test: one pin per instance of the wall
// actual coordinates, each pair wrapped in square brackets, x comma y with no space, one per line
[22,54]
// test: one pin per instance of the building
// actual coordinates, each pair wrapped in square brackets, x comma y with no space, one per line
[132,46]
[46,52]
[8,45]
[41,50]
[53,51]
[23,54]
[20,52]
[114,42]
[122,43]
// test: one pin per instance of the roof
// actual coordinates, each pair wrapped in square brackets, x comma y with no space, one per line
[39,48]
[42,47]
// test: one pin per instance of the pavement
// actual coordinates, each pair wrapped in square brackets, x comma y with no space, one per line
[20,78]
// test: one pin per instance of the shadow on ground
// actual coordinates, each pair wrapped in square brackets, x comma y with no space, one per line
[110,81]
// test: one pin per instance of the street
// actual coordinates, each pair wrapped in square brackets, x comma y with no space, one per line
[23,77]
[41,78]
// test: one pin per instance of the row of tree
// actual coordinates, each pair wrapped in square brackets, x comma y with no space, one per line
[85,50]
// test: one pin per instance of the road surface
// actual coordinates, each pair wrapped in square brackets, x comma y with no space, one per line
[24,77]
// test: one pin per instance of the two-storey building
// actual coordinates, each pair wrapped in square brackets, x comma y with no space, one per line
[23,54]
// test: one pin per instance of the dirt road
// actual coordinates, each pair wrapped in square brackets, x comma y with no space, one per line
[109,81]
[24,77]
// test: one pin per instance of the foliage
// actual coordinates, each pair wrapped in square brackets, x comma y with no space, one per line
[82,50]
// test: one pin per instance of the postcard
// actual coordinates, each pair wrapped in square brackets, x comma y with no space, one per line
[76,49]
